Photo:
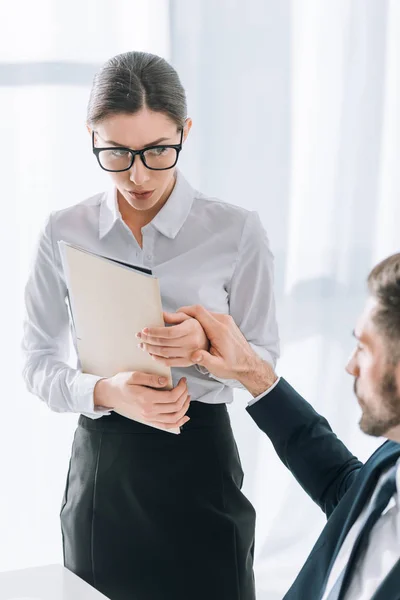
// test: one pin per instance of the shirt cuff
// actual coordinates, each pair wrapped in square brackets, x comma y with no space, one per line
[232,383]
[254,400]
[83,391]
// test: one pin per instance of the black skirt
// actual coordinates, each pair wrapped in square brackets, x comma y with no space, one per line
[148,515]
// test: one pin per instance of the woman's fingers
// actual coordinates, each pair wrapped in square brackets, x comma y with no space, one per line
[173,419]
[171,407]
[162,335]
[173,362]
[163,351]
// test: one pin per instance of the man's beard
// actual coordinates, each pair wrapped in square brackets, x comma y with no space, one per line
[377,419]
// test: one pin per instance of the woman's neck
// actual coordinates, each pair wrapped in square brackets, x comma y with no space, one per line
[137,219]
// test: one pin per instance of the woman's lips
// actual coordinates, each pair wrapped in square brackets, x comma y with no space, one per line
[141,195]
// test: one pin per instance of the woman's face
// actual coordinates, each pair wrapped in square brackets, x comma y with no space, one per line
[142,188]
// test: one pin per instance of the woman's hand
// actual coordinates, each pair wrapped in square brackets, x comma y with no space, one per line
[133,396]
[173,346]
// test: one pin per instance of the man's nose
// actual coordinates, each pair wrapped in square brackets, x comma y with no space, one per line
[352,364]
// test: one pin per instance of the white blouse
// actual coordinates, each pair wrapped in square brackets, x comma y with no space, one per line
[203,251]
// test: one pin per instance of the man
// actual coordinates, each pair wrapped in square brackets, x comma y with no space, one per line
[357,556]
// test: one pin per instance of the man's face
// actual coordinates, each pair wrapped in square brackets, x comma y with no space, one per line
[377,378]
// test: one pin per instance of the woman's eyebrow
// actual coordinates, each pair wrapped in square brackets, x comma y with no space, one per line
[155,143]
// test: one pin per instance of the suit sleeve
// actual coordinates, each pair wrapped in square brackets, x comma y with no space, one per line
[306,444]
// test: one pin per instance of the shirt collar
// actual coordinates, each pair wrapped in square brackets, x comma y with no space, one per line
[171,218]
[169,221]
[109,212]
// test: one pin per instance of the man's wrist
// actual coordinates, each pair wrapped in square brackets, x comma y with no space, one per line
[258,378]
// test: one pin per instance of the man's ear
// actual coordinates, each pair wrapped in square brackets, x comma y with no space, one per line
[89,129]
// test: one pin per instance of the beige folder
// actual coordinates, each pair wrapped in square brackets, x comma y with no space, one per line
[110,301]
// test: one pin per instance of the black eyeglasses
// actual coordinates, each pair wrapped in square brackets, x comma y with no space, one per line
[156,158]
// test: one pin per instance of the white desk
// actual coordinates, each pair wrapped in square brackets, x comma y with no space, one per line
[51,582]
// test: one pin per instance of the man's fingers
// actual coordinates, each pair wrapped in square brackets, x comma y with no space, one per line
[207,360]
[196,311]
[175,318]
[203,316]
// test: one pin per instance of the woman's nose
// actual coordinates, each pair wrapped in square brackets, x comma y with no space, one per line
[138,173]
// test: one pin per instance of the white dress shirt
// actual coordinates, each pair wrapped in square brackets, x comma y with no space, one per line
[382,553]
[203,251]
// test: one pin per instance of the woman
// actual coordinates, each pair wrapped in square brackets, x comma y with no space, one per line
[148,515]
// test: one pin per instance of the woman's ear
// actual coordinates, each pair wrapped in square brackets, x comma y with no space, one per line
[186,128]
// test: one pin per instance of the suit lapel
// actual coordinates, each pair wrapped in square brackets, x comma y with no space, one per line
[366,482]
[367,486]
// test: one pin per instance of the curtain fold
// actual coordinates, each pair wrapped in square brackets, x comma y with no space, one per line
[49,52]
[295,116]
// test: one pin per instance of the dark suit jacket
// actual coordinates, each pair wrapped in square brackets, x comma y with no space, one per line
[335,479]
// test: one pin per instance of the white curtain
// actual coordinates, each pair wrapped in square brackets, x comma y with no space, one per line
[49,51]
[295,108]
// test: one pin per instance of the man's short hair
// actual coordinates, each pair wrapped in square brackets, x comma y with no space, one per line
[384,285]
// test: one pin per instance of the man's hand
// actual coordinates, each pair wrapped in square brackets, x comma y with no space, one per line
[230,355]
[174,346]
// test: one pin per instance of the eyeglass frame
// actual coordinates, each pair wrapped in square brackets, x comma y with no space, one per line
[134,153]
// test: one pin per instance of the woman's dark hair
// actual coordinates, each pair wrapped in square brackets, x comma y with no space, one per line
[134,80]
[384,285]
